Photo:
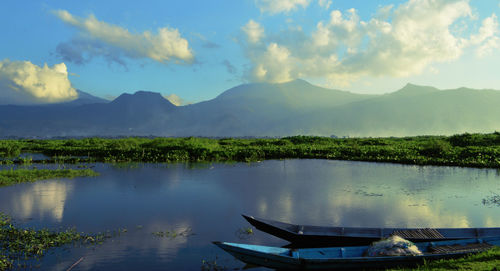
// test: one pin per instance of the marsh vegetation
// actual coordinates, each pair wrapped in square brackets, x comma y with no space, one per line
[18,245]
[14,176]
[469,150]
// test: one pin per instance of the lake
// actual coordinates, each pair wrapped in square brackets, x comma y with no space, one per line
[193,204]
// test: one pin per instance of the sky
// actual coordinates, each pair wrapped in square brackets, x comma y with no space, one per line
[193,50]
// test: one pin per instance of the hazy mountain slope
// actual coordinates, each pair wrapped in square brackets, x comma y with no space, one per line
[86,98]
[257,109]
[139,114]
[12,98]
[422,110]
[264,109]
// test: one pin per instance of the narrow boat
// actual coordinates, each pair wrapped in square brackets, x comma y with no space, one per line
[318,236]
[350,257]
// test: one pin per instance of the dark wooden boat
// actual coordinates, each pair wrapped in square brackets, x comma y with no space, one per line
[317,236]
[331,258]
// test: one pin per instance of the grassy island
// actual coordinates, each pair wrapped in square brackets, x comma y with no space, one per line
[14,176]
[469,150]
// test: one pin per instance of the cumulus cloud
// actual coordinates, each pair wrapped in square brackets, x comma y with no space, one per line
[112,41]
[254,31]
[82,50]
[344,47]
[274,65]
[280,6]
[487,37]
[22,82]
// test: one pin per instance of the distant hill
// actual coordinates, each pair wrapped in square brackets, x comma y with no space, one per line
[129,114]
[258,109]
[264,109]
[86,98]
[413,110]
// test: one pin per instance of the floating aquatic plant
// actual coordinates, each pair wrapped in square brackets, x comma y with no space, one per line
[20,244]
[14,176]
[173,234]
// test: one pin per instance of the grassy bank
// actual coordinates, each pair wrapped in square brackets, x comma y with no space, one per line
[485,261]
[471,150]
[14,176]
[18,245]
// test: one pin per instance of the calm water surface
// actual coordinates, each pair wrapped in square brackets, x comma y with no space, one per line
[204,201]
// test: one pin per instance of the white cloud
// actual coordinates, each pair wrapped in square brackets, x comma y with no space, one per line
[487,47]
[487,38]
[384,12]
[397,41]
[280,6]
[22,82]
[254,31]
[164,46]
[274,65]
[174,99]
[325,4]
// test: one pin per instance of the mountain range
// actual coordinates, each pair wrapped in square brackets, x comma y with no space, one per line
[263,110]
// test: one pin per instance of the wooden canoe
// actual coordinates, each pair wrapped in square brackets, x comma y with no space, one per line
[330,258]
[318,236]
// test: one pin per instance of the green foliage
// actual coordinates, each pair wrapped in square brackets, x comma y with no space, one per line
[11,176]
[435,148]
[10,148]
[471,150]
[466,139]
[17,244]
[5,263]
[488,260]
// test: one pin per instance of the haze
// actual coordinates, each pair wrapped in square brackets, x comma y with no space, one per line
[322,67]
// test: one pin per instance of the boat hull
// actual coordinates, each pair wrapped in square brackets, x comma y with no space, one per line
[317,236]
[348,258]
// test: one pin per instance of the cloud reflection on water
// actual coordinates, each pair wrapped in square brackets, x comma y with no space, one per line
[41,200]
[209,199]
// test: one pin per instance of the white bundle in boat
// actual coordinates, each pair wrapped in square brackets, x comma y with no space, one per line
[393,246]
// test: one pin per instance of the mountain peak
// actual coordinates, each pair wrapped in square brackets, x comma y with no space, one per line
[140,94]
[412,90]
[296,82]
[142,98]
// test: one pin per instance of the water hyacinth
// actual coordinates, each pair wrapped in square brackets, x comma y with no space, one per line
[11,176]
[470,150]
[18,244]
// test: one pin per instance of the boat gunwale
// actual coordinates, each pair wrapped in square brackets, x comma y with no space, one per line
[286,257]
[304,231]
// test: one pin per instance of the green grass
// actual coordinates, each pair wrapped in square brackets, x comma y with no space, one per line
[469,150]
[5,263]
[14,176]
[18,244]
[488,260]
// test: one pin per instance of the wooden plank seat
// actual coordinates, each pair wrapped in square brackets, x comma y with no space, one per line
[426,233]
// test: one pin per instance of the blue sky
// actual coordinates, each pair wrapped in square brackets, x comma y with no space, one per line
[198,49]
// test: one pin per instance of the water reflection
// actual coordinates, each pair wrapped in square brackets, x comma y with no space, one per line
[40,201]
[208,199]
